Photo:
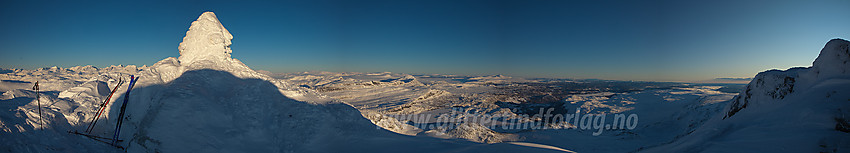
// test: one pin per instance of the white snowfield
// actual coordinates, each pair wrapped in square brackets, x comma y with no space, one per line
[206,101]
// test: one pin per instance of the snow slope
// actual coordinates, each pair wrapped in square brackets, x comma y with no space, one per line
[202,101]
[796,110]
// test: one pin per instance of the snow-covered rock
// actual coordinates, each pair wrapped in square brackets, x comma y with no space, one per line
[796,110]
[206,40]
[833,61]
[768,86]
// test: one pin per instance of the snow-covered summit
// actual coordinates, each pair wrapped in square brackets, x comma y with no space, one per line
[206,39]
[205,46]
[833,60]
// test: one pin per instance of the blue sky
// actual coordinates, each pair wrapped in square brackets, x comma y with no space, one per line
[625,40]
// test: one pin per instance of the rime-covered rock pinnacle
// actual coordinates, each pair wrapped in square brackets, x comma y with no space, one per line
[206,46]
[206,39]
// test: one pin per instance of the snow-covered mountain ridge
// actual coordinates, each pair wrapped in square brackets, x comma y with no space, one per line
[795,110]
[832,63]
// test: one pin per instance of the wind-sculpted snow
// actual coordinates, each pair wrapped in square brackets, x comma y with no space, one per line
[206,40]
